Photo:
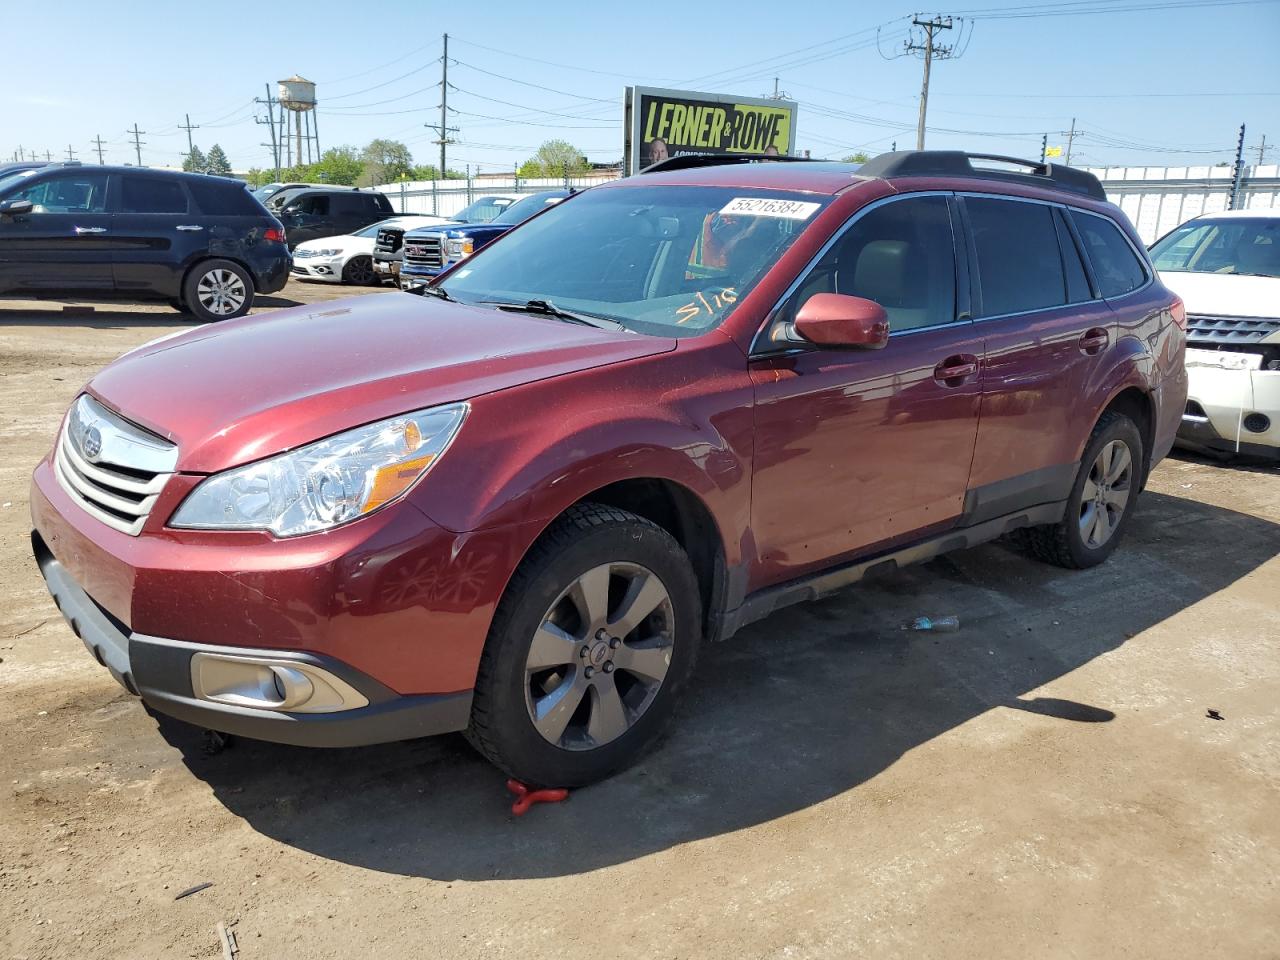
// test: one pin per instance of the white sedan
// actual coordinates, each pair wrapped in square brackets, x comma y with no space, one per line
[349,258]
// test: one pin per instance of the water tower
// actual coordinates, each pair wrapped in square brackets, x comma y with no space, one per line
[297,99]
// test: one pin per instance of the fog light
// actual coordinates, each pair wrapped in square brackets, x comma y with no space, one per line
[266,683]
[1257,422]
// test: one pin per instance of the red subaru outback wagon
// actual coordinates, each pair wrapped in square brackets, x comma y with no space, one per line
[660,410]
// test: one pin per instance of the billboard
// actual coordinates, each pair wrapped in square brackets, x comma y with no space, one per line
[671,123]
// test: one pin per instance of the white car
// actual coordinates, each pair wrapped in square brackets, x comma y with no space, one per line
[349,258]
[1226,269]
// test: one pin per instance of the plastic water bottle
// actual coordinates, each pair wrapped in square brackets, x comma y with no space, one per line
[940,625]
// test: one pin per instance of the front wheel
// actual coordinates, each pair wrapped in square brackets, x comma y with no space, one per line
[1102,499]
[358,271]
[218,290]
[589,648]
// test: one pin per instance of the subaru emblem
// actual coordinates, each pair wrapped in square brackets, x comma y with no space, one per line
[91,443]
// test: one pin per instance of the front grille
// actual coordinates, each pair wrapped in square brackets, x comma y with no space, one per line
[425,251]
[389,240]
[1209,331]
[113,469]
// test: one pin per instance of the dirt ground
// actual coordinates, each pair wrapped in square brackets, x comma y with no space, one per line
[1044,783]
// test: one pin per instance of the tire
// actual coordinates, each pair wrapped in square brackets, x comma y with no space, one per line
[359,271]
[218,290]
[595,715]
[1097,513]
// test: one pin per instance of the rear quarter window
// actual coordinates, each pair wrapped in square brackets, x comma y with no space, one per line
[224,199]
[1116,267]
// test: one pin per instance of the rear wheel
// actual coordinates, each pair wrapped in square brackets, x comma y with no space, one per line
[1102,499]
[592,642]
[359,271]
[218,290]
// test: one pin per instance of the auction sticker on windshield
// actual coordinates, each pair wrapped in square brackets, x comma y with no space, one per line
[764,207]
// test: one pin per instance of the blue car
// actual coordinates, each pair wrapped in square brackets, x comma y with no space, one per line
[429,251]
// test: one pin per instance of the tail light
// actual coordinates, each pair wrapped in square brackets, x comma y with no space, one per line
[1179,311]
[273,233]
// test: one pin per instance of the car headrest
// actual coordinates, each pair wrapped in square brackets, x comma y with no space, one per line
[881,272]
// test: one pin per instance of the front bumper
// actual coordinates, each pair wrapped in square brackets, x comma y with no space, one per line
[159,671]
[387,267]
[318,269]
[1220,403]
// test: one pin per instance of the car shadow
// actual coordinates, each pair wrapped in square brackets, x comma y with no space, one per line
[802,707]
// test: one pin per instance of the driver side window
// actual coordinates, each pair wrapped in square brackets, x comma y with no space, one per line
[901,255]
[66,193]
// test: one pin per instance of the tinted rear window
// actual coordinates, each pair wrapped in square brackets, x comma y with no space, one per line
[1115,266]
[152,195]
[1019,264]
[223,198]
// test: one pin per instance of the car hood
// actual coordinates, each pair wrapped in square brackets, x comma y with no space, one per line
[246,389]
[1225,294]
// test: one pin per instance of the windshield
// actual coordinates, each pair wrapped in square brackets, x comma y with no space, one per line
[14,179]
[522,210]
[1248,246]
[483,210]
[668,261]
[267,190]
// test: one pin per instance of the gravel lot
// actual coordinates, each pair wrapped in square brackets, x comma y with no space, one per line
[1043,783]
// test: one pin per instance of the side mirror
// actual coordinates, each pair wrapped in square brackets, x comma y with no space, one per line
[838,320]
[15,208]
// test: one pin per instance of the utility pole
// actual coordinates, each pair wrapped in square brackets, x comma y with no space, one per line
[443,130]
[930,50]
[1238,173]
[271,125]
[188,127]
[48,156]
[137,144]
[1071,135]
[1262,150]
[71,154]
[97,141]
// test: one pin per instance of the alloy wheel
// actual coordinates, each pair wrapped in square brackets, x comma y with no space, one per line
[221,292]
[1105,494]
[360,271]
[600,656]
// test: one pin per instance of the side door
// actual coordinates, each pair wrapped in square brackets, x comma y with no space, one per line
[1045,330]
[859,449]
[307,218]
[63,245]
[157,235]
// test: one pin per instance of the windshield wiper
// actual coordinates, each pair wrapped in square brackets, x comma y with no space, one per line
[546,308]
[438,292]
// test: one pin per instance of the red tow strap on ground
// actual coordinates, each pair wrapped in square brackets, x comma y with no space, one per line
[526,797]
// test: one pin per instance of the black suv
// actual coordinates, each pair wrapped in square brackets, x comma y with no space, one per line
[329,212]
[202,243]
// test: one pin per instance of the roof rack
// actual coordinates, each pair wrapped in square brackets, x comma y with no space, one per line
[957,163]
[689,160]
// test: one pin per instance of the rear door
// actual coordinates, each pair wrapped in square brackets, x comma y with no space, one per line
[64,244]
[1046,330]
[308,217]
[156,234]
[856,449]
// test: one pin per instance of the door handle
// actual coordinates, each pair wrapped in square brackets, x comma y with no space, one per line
[1094,339]
[189,226]
[80,231]
[953,371]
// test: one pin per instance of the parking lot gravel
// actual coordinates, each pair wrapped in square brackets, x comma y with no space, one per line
[1048,781]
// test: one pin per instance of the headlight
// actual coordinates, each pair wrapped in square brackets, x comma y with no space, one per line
[458,249]
[325,484]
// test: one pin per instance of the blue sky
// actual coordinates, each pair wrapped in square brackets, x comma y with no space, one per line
[1141,84]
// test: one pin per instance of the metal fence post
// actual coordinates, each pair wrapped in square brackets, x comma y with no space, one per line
[435,206]
[402,201]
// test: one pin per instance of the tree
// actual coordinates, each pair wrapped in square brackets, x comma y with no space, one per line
[860,157]
[555,158]
[257,177]
[216,163]
[338,165]
[384,162]
[195,161]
